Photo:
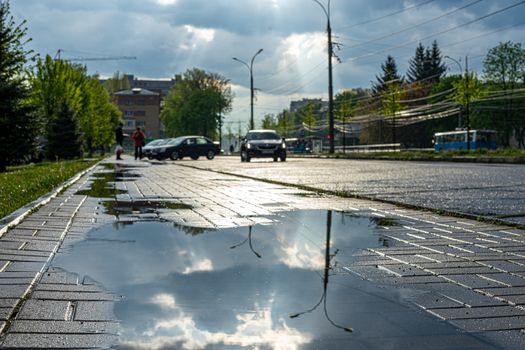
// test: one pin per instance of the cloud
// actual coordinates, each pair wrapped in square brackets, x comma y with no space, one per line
[255,327]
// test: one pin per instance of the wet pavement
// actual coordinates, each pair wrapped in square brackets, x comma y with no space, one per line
[192,259]
[491,190]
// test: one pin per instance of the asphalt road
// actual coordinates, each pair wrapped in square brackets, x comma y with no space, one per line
[493,190]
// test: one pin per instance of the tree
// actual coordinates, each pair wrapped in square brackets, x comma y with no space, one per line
[309,118]
[436,67]
[417,68]
[283,123]
[20,126]
[392,104]
[504,71]
[389,74]
[54,81]
[64,135]
[196,103]
[426,65]
[269,122]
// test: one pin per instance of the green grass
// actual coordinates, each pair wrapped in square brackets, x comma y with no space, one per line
[21,185]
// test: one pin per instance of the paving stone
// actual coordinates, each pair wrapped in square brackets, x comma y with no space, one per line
[506,266]
[514,299]
[59,277]
[9,303]
[477,312]
[44,310]
[462,270]
[473,281]
[491,324]
[13,281]
[69,287]
[58,341]
[74,296]
[404,270]
[5,244]
[22,266]
[17,274]
[23,258]
[463,295]
[94,311]
[436,301]
[64,327]
[5,312]
[508,279]
[13,291]
[504,291]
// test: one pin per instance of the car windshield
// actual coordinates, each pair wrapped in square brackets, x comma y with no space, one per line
[263,136]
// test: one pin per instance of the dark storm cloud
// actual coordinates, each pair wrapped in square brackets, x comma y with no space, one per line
[169,37]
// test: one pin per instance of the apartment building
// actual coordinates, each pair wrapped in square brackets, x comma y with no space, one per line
[140,108]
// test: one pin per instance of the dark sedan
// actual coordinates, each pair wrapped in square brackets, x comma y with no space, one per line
[186,146]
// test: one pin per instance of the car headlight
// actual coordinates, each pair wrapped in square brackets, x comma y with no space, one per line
[248,146]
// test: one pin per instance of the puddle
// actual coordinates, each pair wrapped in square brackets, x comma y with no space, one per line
[278,286]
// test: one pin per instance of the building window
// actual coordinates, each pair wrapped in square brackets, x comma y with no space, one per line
[140,123]
[129,124]
[139,113]
[128,113]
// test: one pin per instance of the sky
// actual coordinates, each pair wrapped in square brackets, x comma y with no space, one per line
[168,37]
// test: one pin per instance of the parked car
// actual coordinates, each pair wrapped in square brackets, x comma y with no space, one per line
[186,146]
[263,144]
[148,148]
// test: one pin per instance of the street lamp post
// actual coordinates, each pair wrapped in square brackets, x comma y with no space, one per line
[250,68]
[467,105]
[330,84]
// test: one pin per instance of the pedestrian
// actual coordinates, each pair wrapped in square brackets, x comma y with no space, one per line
[138,139]
[119,137]
[231,149]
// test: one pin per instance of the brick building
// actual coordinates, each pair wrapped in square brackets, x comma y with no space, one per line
[140,108]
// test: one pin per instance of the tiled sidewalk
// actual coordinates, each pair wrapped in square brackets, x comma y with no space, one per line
[470,273]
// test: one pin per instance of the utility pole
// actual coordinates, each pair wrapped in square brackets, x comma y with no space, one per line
[330,84]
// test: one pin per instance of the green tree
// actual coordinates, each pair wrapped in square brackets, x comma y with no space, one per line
[196,103]
[426,65]
[389,74]
[504,72]
[392,104]
[20,126]
[269,122]
[64,135]
[54,81]
[284,124]
[309,118]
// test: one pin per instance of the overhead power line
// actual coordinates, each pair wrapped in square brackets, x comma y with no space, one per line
[438,33]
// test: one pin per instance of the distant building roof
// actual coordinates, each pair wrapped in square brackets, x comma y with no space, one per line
[136,91]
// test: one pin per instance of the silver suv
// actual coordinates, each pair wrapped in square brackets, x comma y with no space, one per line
[263,144]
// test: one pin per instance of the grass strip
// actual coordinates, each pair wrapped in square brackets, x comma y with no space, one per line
[20,185]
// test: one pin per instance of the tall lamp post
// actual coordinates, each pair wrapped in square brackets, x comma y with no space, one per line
[330,85]
[467,97]
[250,68]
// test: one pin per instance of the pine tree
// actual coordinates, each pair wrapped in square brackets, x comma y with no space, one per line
[18,122]
[64,139]
[436,67]
[389,75]
[416,69]
[426,65]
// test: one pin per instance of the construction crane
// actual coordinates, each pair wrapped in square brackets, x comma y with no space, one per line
[78,59]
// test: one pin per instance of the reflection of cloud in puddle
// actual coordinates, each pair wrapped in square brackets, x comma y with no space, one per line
[196,266]
[299,254]
[255,329]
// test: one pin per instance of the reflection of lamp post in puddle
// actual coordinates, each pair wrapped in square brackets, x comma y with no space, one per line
[249,239]
[327,268]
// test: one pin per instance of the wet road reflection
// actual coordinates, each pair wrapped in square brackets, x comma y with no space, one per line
[184,291]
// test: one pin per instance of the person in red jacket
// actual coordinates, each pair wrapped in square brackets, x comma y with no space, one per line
[138,138]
